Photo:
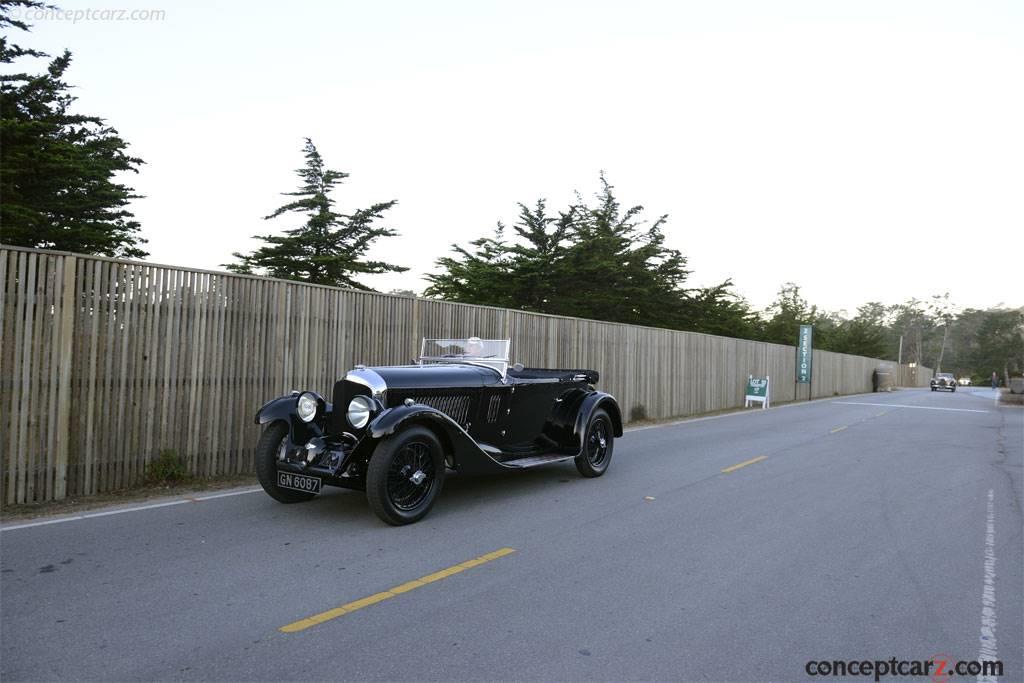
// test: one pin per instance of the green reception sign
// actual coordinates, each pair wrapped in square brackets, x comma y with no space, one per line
[757,386]
[804,354]
[756,391]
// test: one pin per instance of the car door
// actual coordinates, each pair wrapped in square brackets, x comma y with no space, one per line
[530,407]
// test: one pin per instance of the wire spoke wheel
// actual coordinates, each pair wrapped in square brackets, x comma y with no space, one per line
[410,476]
[405,475]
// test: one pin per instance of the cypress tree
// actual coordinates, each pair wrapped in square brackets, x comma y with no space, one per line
[329,247]
[57,168]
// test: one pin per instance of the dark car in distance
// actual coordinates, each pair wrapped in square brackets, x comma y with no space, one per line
[944,381]
[395,431]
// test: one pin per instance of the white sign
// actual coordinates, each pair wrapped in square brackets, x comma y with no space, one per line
[757,390]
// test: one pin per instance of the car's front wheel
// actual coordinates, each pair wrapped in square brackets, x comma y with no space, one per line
[405,474]
[598,444]
[270,447]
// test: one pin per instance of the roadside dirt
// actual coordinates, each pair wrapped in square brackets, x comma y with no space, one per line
[135,495]
[1006,398]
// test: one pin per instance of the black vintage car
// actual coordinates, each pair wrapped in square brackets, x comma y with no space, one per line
[395,431]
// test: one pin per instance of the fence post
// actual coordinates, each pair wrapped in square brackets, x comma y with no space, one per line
[415,326]
[68,308]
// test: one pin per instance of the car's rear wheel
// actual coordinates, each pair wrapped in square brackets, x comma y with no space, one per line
[598,445]
[405,474]
[268,450]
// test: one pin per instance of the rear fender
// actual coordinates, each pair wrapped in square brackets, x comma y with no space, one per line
[592,402]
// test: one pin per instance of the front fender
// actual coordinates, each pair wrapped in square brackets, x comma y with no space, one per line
[283,409]
[277,409]
[466,452]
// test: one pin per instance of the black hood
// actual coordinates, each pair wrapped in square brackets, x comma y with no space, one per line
[436,375]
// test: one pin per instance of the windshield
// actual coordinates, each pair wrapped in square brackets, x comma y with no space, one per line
[490,352]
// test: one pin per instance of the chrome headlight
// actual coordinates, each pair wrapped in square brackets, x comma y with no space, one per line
[359,410]
[306,407]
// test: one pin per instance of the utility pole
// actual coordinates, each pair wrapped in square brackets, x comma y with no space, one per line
[899,358]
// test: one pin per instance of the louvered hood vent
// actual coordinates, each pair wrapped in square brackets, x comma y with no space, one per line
[455,406]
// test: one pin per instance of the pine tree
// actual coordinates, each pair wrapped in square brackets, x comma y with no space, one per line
[539,255]
[790,310]
[593,261]
[328,249]
[482,276]
[57,168]
[618,266]
[524,274]
[719,310]
[863,335]
[1001,343]
[914,323]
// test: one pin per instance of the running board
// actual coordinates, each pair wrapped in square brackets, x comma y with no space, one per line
[535,460]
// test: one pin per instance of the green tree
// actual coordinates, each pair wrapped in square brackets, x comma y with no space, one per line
[539,275]
[863,335]
[913,322]
[526,273]
[618,267]
[783,318]
[481,276]
[595,260]
[719,310]
[1000,343]
[58,168]
[962,353]
[329,248]
[943,312]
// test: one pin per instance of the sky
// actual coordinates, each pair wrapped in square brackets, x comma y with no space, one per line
[868,151]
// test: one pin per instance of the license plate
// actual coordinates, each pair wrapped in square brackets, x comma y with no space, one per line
[298,482]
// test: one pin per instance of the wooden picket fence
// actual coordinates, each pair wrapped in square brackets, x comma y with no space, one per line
[107,363]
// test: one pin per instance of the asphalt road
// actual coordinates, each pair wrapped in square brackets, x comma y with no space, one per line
[874,527]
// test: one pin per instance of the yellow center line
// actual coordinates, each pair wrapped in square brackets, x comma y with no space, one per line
[838,429]
[745,463]
[303,624]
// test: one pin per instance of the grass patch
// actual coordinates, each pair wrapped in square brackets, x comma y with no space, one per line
[638,413]
[167,469]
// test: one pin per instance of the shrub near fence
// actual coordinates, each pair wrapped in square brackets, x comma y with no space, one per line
[106,364]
